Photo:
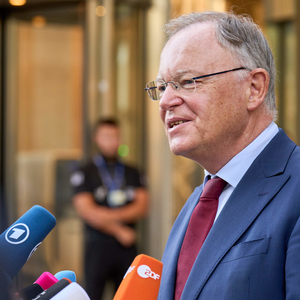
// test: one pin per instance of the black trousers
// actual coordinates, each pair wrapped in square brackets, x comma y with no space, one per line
[105,259]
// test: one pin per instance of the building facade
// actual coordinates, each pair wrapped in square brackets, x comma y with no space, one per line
[66,63]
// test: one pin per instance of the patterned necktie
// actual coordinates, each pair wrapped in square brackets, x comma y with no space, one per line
[198,228]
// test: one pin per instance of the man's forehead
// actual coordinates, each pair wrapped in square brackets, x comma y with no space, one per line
[194,32]
[190,50]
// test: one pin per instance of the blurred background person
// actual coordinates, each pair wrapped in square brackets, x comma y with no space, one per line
[110,197]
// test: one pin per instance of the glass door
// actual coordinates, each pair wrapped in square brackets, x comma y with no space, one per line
[43,126]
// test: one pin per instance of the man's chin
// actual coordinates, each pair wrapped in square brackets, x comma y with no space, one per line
[178,150]
[185,150]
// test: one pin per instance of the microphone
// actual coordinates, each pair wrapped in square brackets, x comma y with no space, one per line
[29,292]
[21,240]
[73,291]
[53,290]
[142,280]
[42,283]
[46,280]
[66,274]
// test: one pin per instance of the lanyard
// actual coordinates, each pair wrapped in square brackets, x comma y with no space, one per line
[114,183]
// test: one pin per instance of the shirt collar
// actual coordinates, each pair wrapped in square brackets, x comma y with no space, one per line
[236,168]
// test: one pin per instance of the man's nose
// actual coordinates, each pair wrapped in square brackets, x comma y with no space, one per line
[170,98]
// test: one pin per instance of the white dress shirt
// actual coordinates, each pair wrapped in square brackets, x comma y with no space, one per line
[236,168]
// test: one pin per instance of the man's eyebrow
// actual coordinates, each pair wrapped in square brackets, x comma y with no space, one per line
[181,72]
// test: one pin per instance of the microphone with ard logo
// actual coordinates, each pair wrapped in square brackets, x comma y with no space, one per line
[142,280]
[21,240]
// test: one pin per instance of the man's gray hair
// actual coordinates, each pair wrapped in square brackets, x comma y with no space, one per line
[240,35]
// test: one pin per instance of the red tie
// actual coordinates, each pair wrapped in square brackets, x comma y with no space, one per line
[199,226]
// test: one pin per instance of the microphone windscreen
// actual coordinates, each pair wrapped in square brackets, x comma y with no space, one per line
[66,274]
[29,292]
[73,291]
[22,238]
[53,290]
[46,280]
[142,280]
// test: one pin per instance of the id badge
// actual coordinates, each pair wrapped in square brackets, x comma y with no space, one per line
[116,198]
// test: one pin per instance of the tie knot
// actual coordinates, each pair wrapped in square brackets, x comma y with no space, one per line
[213,188]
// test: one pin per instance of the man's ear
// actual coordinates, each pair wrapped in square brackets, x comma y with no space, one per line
[259,87]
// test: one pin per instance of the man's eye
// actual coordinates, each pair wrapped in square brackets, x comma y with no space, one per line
[198,82]
[187,83]
[161,88]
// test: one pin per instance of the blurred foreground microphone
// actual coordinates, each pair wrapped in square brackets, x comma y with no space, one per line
[66,274]
[21,240]
[142,280]
[73,291]
[53,290]
[29,292]
[46,280]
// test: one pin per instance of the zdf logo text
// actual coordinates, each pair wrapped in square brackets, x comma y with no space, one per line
[145,272]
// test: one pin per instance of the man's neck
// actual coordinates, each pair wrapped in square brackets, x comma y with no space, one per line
[219,157]
[110,159]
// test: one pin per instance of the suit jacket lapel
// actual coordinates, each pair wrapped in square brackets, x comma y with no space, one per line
[173,247]
[259,185]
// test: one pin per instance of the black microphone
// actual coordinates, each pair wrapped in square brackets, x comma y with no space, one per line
[29,292]
[44,282]
[53,290]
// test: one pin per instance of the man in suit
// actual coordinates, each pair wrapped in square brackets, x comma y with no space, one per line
[215,88]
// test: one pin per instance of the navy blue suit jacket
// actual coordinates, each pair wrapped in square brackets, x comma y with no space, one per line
[253,250]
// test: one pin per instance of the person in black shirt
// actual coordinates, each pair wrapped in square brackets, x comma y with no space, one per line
[110,197]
